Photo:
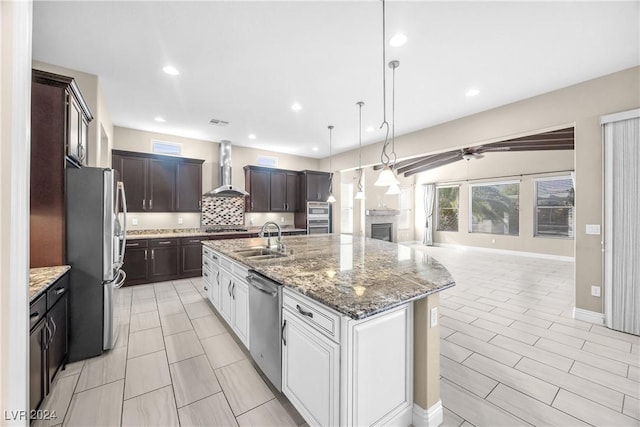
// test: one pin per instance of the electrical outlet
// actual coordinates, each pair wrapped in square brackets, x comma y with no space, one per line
[493,241]
[180,221]
[134,221]
[593,229]
[281,219]
[595,291]
[251,221]
[434,316]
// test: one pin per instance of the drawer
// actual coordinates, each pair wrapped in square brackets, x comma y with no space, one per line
[208,276]
[57,290]
[192,240]
[320,318]
[140,243]
[211,255]
[226,263]
[154,243]
[37,310]
[240,270]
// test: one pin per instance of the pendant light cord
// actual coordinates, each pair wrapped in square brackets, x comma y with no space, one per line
[384,157]
[330,169]
[393,114]
[360,105]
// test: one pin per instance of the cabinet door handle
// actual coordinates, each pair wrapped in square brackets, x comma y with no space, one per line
[144,205]
[55,329]
[145,254]
[150,204]
[233,291]
[206,289]
[168,242]
[284,325]
[229,288]
[218,278]
[303,312]
[34,314]
[131,245]
[214,257]
[153,255]
[47,340]
[206,263]
[194,241]
[59,291]
[206,275]
[252,205]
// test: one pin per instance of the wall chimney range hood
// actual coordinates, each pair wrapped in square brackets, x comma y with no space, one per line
[226,189]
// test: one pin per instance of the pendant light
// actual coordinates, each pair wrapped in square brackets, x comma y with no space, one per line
[360,193]
[386,177]
[393,188]
[331,198]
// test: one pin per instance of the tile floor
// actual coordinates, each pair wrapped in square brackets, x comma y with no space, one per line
[175,363]
[511,355]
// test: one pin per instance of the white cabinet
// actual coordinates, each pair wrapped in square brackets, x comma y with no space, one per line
[310,371]
[228,291]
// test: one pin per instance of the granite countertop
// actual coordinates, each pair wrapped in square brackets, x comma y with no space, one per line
[195,232]
[355,276]
[41,278]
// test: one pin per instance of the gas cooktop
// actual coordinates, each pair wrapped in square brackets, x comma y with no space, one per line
[224,230]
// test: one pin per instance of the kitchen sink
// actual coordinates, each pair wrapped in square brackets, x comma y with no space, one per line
[260,253]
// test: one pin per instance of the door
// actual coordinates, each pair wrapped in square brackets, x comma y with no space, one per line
[133,173]
[164,262]
[240,310]
[310,371]
[293,189]
[135,262]
[260,191]
[214,281]
[58,320]
[189,187]
[226,282]
[162,185]
[37,360]
[278,182]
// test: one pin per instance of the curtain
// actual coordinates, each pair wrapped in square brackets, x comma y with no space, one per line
[429,199]
[624,185]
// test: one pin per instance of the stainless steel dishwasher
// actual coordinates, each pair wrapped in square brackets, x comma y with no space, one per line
[265,306]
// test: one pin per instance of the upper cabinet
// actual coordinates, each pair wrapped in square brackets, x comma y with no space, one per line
[315,186]
[155,183]
[271,190]
[59,129]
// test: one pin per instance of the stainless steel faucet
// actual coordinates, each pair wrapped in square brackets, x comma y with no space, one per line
[265,227]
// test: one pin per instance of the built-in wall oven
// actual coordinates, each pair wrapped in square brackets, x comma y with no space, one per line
[318,218]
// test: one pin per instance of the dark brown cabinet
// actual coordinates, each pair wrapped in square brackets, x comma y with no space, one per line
[191,256]
[59,129]
[164,260]
[188,187]
[155,183]
[48,339]
[315,186]
[135,261]
[271,190]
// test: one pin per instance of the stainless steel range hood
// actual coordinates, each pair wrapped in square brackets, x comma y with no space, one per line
[226,189]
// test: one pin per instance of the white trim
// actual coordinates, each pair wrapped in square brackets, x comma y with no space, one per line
[608,224]
[536,207]
[433,416]
[16,80]
[618,117]
[588,316]
[507,252]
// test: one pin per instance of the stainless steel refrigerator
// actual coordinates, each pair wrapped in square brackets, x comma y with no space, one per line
[95,240]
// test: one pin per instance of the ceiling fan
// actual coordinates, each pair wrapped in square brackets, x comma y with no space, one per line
[562,139]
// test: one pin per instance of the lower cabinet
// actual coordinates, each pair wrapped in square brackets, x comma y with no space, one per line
[310,371]
[48,339]
[164,259]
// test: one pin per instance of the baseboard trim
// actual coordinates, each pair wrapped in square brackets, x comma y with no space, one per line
[588,316]
[506,252]
[431,417]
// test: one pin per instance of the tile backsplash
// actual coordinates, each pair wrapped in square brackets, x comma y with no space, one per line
[222,210]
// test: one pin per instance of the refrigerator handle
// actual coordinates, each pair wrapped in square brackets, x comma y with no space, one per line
[124,221]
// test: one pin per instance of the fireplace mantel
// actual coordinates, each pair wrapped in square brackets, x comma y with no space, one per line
[382,212]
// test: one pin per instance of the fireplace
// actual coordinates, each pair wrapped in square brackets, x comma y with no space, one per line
[382,231]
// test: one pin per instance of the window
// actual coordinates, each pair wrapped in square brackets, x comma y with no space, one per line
[447,205]
[163,147]
[554,207]
[404,203]
[495,208]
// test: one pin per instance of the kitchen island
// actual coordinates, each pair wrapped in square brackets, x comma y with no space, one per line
[360,342]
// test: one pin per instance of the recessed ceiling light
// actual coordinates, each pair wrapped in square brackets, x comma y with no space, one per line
[172,71]
[296,107]
[159,119]
[315,148]
[370,129]
[252,136]
[398,40]
[472,92]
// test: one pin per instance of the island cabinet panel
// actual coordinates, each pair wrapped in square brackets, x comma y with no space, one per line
[226,282]
[310,371]
[240,310]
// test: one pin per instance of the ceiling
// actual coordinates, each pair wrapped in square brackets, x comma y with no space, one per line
[248,62]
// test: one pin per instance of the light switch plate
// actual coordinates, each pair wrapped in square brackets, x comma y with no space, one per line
[434,316]
[134,221]
[593,229]
[595,291]
[180,221]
